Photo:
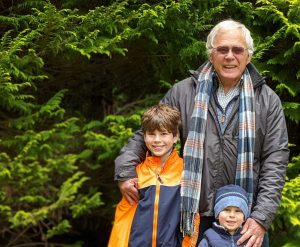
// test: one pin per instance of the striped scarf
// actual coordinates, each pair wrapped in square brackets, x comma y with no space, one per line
[193,148]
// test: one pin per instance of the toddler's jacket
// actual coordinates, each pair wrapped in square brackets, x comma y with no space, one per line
[218,236]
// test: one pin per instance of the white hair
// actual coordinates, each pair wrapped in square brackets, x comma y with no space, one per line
[229,25]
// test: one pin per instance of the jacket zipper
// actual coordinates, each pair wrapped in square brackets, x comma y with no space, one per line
[232,241]
[223,118]
[156,202]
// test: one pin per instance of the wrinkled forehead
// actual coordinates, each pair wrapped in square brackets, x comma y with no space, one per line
[232,37]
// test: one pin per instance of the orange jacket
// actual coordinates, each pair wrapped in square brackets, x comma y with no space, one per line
[154,220]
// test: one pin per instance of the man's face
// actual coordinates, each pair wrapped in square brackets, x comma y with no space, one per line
[230,63]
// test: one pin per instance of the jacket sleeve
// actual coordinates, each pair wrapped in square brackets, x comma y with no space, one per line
[124,216]
[274,159]
[134,152]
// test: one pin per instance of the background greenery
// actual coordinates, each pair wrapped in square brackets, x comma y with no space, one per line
[75,77]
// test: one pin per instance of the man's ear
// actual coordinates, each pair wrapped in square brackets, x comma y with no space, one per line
[210,58]
[249,59]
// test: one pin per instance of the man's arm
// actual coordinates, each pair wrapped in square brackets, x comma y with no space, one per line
[133,153]
[274,159]
[254,232]
[129,190]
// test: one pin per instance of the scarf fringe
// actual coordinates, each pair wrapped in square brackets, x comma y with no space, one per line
[187,223]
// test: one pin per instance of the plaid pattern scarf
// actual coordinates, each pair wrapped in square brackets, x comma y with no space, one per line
[193,149]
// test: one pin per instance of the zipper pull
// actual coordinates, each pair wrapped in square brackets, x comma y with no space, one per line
[222,119]
[159,179]
[157,172]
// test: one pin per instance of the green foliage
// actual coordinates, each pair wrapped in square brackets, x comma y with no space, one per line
[292,110]
[86,204]
[109,145]
[15,77]
[40,177]
[280,41]
[40,180]
[287,222]
[64,64]
[61,228]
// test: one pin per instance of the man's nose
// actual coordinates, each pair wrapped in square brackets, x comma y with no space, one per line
[230,53]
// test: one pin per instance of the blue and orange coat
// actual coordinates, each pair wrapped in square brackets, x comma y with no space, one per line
[154,220]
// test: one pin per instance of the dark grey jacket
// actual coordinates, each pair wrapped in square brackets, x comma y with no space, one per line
[220,151]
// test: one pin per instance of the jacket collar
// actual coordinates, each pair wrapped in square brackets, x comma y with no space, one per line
[156,160]
[222,230]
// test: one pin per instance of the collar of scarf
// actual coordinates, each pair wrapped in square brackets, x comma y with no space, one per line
[193,148]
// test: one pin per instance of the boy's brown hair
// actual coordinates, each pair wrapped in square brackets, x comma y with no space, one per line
[161,117]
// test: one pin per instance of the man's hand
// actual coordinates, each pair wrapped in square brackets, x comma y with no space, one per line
[129,190]
[254,232]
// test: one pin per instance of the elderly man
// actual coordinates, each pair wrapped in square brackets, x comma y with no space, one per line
[233,132]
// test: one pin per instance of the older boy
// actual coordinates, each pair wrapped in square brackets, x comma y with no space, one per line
[154,220]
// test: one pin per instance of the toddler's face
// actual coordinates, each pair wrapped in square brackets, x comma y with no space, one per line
[231,218]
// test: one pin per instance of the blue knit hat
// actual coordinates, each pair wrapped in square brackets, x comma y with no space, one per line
[231,195]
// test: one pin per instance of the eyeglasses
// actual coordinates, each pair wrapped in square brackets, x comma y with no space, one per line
[236,50]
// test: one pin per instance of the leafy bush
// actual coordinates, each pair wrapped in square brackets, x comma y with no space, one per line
[74,79]
[286,226]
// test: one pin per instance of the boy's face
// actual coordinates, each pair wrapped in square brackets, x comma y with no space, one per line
[160,143]
[231,218]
